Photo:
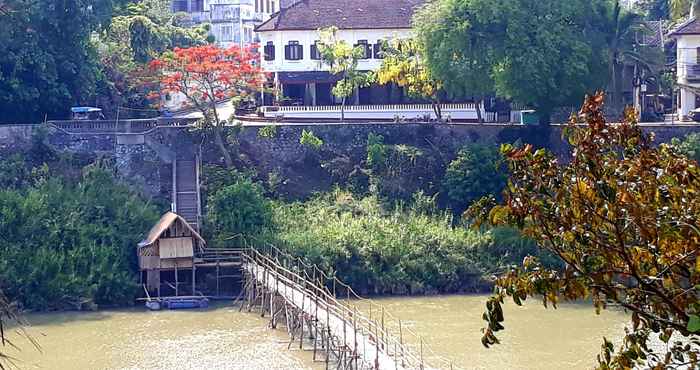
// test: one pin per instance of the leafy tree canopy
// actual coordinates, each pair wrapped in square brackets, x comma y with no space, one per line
[342,59]
[478,171]
[623,217]
[539,53]
[208,75]
[47,60]
[404,65]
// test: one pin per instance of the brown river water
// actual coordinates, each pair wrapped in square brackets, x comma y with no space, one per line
[223,338]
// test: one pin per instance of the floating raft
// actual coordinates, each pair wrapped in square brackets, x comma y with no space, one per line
[177,303]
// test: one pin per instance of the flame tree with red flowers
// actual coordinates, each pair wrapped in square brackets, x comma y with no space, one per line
[207,76]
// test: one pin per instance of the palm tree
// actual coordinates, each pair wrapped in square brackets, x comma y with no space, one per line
[621,28]
[9,314]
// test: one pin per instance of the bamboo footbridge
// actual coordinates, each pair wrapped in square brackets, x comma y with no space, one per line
[343,329]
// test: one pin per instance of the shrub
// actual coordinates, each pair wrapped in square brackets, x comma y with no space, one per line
[476,172]
[689,146]
[65,244]
[309,139]
[379,251]
[268,132]
[396,172]
[238,209]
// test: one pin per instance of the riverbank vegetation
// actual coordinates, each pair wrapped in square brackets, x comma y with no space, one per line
[405,248]
[68,242]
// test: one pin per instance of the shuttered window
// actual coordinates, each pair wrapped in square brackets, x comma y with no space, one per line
[366,48]
[269,51]
[293,51]
[315,55]
[379,49]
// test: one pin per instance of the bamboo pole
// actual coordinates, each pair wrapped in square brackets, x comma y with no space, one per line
[421,353]
[376,341]
[401,342]
[301,316]
[354,329]
[176,282]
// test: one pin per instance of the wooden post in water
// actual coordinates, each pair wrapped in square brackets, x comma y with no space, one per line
[383,331]
[194,278]
[176,282]
[218,293]
[421,353]
[401,342]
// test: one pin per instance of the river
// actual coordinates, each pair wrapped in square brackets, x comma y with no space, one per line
[223,338]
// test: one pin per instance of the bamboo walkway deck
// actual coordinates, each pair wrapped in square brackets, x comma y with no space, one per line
[342,335]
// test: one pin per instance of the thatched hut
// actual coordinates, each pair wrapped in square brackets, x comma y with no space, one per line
[170,247]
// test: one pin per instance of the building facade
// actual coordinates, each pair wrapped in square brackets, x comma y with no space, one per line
[232,21]
[687,37]
[288,41]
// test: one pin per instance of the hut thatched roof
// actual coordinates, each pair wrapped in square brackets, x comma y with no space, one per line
[163,224]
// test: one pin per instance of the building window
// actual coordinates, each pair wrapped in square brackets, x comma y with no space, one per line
[179,6]
[269,51]
[267,10]
[315,55]
[379,49]
[697,56]
[366,47]
[226,33]
[293,51]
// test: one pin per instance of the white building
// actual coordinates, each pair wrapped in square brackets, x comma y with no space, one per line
[288,40]
[687,37]
[232,21]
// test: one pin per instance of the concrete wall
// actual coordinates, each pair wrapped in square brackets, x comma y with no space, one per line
[144,160]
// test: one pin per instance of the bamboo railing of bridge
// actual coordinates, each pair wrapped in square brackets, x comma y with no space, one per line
[345,330]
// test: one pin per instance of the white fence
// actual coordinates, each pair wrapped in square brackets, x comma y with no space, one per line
[464,111]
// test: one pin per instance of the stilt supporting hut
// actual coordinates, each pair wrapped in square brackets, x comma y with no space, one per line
[166,256]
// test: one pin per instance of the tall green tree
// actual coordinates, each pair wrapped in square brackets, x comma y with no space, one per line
[136,35]
[621,28]
[404,65]
[342,59]
[540,53]
[458,45]
[47,60]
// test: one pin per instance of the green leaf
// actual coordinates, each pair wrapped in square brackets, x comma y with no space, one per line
[694,324]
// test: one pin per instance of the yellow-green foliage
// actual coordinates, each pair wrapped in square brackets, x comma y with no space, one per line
[400,250]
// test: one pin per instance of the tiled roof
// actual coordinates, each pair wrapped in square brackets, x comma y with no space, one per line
[344,14]
[689,27]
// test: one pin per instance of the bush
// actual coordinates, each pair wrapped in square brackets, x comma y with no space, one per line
[689,146]
[396,172]
[380,251]
[477,171]
[238,209]
[66,244]
[309,139]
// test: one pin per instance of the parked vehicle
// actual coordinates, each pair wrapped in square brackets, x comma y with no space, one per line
[694,114]
[86,114]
